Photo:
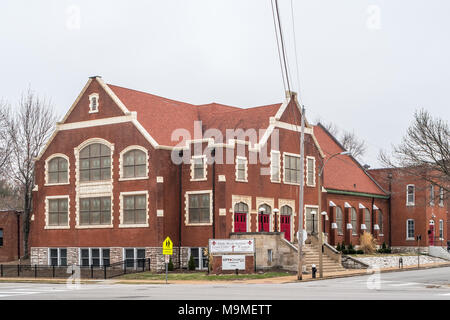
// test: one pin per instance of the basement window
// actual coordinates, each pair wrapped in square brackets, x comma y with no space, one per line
[58,257]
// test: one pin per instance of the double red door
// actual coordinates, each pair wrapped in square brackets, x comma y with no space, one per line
[431,234]
[263,222]
[285,226]
[240,222]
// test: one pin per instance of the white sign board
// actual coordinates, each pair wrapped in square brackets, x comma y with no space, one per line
[232,245]
[233,262]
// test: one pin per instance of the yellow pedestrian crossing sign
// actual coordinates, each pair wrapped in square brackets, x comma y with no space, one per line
[168,246]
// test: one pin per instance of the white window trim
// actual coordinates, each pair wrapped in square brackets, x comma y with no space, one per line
[121,163]
[135,254]
[205,171]
[441,197]
[186,208]
[200,260]
[274,153]
[309,206]
[94,95]
[47,226]
[354,230]
[246,169]
[248,201]
[121,210]
[271,203]
[56,155]
[93,189]
[414,225]
[431,191]
[414,195]
[308,183]
[284,167]
[291,204]
[90,255]
[59,256]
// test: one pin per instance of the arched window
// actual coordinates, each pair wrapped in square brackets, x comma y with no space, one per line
[241,207]
[339,219]
[367,220]
[267,209]
[134,164]
[380,221]
[354,222]
[286,210]
[95,163]
[58,170]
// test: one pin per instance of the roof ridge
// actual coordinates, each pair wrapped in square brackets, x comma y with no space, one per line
[151,94]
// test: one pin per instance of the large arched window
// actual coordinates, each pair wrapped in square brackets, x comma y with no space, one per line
[58,170]
[354,222]
[339,219]
[95,163]
[134,164]
[380,221]
[241,207]
[286,210]
[265,209]
[367,220]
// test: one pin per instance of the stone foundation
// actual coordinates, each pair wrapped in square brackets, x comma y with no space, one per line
[409,249]
[39,256]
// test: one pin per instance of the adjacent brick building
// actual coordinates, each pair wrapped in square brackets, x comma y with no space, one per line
[418,207]
[10,236]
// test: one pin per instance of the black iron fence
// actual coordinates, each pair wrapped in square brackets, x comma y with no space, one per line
[75,271]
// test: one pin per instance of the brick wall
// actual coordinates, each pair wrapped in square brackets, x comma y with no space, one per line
[8,224]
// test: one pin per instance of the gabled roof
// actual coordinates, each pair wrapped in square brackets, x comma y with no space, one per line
[343,172]
[161,116]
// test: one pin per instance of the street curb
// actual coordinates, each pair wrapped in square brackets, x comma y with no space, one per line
[251,281]
[372,272]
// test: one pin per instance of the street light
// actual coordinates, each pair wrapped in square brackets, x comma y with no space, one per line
[261,225]
[276,220]
[313,213]
[319,191]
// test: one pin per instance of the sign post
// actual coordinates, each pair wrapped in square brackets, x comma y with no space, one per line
[419,237]
[167,252]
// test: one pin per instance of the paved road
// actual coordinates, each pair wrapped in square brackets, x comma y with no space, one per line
[422,284]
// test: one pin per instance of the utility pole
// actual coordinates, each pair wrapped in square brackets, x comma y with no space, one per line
[300,196]
[319,223]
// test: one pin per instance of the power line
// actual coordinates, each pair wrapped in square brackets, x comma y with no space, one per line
[278,46]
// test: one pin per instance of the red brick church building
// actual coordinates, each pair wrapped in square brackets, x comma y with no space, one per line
[125,169]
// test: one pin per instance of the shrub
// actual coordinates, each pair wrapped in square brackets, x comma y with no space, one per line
[170,265]
[350,247]
[345,251]
[359,251]
[367,243]
[191,264]
[338,247]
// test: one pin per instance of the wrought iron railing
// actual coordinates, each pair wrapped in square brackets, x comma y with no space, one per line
[75,271]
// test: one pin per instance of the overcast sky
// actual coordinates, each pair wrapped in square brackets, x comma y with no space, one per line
[365,65]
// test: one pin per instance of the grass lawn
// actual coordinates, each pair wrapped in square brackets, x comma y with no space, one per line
[202,276]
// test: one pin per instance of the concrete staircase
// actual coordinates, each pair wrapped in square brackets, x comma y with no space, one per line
[311,256]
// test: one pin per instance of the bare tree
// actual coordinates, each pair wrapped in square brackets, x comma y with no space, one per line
[5,147]
[28,130]
[350,142]
[426,146]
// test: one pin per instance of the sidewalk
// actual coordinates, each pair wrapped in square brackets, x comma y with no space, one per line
[277,280]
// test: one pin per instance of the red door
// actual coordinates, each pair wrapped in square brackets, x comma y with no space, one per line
[431,234]
[286,226]
[263,222]
[240,222]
